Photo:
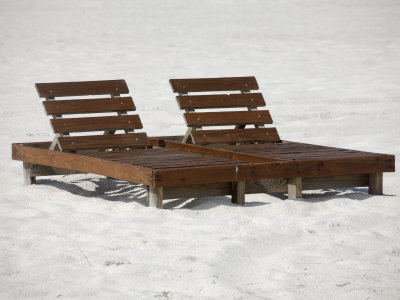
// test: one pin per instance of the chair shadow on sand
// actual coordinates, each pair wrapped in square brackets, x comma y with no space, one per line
[119,190]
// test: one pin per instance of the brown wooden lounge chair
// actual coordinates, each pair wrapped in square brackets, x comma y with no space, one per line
[327,167]
[174,171]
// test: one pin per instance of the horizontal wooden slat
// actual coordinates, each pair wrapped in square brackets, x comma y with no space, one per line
[80,106]
[103,141]
[296,151]
[96,123]
[236,135]
[221,101]
[41,170]
[228,118]
[81,88]
[214,84]
[276,185]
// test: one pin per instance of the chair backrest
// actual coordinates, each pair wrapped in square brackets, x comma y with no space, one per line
[241,98]
[109,102]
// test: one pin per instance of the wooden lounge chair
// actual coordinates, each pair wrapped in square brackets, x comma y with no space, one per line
[328,167]
[170,171]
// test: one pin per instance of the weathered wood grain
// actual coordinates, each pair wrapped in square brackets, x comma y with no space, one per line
[83,163]
[81,88]
[213,84]
[268,186]
[155,197]
[276,185]
[280,169]
[198,190]
[169,144]
[41,170]
[295,188]
[220,101]
[108,141]
[127,122]
[236,135]
[332,182]
[228,118]
[376,183]
[29,177]
[238,192]
[81,106]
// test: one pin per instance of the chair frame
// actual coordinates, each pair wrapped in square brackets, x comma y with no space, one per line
[354,176]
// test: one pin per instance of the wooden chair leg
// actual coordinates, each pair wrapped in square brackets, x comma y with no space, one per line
[238,192]
[294,188]
[155,195]
[27,171]
[375,184]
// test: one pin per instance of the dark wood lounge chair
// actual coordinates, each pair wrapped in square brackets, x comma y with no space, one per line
[169,171]
[328,167]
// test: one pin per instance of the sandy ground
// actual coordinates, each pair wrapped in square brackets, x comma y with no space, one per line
[330,72]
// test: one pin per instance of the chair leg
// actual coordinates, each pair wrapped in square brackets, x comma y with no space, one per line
[294,188]
[238,192]
[375,184]
[155,195]
[27,171]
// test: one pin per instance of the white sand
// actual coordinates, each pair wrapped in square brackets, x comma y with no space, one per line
[330,72]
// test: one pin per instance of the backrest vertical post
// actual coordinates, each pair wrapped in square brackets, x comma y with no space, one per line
[188,138]
[55,142]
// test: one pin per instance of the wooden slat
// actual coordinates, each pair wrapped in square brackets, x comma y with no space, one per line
[198,190]
[332,182]
[277,185]
[209,151]
[104,141]
[214,84]
[81,88]
[228,118]
[293,150]
[82,163]
[236,135]
[96,123]
[221,101]
[41,170]
[80,106]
